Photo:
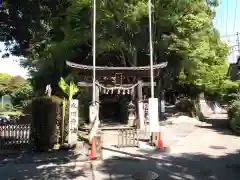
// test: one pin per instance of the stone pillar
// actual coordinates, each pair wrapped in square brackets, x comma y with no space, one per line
[73,122]
[140,105]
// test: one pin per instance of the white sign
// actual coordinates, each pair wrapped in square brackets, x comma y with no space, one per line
[141,115]
[73,122]
[153,115]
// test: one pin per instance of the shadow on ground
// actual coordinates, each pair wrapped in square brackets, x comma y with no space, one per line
[219,125]
[54,165]
[182,167]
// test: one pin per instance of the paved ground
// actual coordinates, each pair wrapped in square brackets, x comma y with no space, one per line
[205,151]
[197,151]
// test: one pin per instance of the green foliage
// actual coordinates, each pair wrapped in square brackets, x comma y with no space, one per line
[70,89]
[21,95]
[234,116]
[46,118]
[56,31]
[4,81]
[18,88]
[229,91]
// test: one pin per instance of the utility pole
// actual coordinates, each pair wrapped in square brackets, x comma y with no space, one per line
[94,53]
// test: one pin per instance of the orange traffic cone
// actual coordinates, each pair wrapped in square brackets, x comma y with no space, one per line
[92,154]
[160,142]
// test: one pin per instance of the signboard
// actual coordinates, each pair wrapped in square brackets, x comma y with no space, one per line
[73,122]
[145,108]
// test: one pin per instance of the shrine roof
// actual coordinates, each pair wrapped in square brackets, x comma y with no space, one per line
[107,68]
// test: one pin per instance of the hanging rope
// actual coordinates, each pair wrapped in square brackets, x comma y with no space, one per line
[106,68]
[120,89]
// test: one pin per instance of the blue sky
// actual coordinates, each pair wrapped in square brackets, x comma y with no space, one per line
[228,14]
[227,21]
[228,24]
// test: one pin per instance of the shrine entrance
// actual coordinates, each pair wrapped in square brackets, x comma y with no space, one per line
[113,108]
[119,92]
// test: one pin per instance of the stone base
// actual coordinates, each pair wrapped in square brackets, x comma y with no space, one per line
[131,122]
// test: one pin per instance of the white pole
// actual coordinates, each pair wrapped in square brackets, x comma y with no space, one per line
[94,53]
[151,47]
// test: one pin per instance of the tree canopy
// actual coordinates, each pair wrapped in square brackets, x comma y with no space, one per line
[18,88]
[48,33]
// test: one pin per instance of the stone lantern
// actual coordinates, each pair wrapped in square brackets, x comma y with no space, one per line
[131,114]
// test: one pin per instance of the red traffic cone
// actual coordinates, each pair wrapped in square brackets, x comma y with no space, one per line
[92,154]
[160,142]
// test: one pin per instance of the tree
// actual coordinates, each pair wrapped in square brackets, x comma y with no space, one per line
[55,32]
[21,95]
[4,82]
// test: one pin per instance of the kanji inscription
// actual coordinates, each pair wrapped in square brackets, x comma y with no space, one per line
[73,122]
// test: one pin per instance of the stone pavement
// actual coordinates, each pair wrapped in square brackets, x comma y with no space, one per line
[47,171]
[201,151]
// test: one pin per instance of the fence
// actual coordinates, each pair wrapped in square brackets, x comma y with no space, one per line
[14,136]
[127,137]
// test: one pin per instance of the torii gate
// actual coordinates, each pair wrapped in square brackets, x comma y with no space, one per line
[153,102]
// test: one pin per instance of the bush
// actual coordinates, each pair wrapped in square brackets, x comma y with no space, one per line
[234,116]
[186,105]
[46,122]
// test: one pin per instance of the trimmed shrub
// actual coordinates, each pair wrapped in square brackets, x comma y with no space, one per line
[234,116]
[46,121]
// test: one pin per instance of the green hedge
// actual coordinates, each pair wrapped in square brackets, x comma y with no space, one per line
[47,115]
[46,122]
[234,116]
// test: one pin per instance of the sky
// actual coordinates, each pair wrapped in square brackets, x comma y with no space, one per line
[227,16]
[228,24]
[11,65]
